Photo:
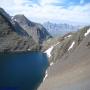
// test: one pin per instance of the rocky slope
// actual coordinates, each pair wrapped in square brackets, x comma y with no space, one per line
[66,44]
[13,37]
[19,34]
[71,71]
[37,31]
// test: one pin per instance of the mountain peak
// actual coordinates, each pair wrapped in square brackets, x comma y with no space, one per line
[12,37]
[19,16]
[36,30]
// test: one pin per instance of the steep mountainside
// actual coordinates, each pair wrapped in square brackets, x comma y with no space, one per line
[71,71]
[37,31]
[12,36]
[59,29]
[64,46]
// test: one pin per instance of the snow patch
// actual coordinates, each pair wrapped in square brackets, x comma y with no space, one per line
[51,63]
[88,31]
[12,17]
[29,49]
[71,46]
[68,36]
[56,44]
[15,19]
[46,75]
[48,51]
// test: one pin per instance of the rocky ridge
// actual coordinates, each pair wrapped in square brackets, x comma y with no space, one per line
[63,46]
[35,30]
[71,63]
[15,36]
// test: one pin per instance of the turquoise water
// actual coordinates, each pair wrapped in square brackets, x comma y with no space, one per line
[22,71]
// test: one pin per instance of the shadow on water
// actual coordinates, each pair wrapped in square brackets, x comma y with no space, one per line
[22,71]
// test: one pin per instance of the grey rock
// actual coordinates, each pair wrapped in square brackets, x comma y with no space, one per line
[62,44]
[62,49]
[13,38]
[37,31]
[72,72]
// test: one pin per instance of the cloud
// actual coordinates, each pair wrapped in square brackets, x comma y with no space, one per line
[45,10]
[49,2]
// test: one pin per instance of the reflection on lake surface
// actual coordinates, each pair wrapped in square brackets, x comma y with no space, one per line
[22,71]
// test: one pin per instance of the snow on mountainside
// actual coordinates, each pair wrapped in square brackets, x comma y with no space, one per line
[88,31]
[71,69]
[71,46]
[49,50]
[56,48]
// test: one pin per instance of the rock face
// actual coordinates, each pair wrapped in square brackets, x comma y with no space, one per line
[19,34]
[37,31]
[71,71]
[12,36]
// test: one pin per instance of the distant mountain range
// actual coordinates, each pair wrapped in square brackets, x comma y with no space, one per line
[59,29]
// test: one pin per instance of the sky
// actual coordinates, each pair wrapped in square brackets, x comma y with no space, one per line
[57,11]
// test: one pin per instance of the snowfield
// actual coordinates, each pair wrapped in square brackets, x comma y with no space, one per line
[29,49]
[51,63]
[68,36]
[88,31]
[46,75]
[49,50]
[71,45]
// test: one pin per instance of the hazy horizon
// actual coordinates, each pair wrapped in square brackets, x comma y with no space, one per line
[57,11]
